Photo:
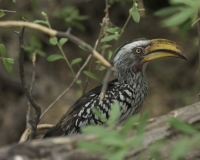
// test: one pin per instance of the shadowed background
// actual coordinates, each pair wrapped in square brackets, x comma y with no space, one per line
[173,83]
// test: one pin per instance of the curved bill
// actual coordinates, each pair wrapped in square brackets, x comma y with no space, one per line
[159,48]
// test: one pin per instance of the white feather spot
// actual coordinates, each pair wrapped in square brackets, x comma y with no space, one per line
[128,92]
[121,97]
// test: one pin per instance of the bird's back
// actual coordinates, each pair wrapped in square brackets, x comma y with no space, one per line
[130,98]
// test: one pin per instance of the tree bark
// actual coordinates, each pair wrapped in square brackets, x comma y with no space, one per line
[65,147]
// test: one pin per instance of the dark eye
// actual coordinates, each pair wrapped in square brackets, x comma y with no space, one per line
[138,50]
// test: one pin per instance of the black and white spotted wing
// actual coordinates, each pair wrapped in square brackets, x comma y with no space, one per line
[80,114]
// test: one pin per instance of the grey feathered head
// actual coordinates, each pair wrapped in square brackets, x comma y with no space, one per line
[132,56]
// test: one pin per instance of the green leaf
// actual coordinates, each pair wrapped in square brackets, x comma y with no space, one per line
[54,57]
[112,138]
[44,14]
[181,147]
[78,81]
[2,50]
[178,18]
[81,18]
[109,38]
[83,48]
[98,114]
[79,93]
[136,141]
[10,60]
[40,52]
[28,48]
[101,68]
[90,146]
[166,11]
[40,22]
[113,30]
[53,40]
[110,53]
[98,62]
[128,125]
[62,41]
[75,61]
[90,74]
[189,3]
[7,65]
[135,14]
[155,149]
[105,46]
[118,154]
[97,130]
[182,126]
[35,42]
[143,122]
[2,14]
[114,114]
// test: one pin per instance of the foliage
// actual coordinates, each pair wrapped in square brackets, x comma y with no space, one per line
[90,74]
[180,13]
[114,144]
[71,16]
[111,142]
[2,14]
[6,61]
[34,46]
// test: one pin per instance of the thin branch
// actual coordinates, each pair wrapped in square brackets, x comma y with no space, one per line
[86,46]
[103,25]
[107,9]
[54,33]
[33,75]
[25,135]
[105,83]
[67,89]
[28,112]
[39,27]
[3,10]
[141,5]
[198,28]
[28,115]
[24,85]
[195,22]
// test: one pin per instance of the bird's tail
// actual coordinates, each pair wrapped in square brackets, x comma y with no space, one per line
[51,132]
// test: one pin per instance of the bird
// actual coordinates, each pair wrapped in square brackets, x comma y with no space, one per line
[129,88]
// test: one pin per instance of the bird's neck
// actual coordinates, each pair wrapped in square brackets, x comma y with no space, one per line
[130,77]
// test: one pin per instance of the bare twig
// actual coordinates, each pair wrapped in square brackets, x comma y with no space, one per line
[28,112]
[23,81]
[28,115]
[39,27]
[3,10]
[107,9]
[76,77]
[195,22]
[141,5]
[103,25]
[198,28]
[26,133]
[54,33]
[33,75]
[105,83]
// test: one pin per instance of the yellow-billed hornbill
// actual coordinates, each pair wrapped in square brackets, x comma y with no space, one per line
[129,89]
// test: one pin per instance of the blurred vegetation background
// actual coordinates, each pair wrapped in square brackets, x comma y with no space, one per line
[172,83]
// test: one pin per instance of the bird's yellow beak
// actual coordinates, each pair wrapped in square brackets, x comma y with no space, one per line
[159,48]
